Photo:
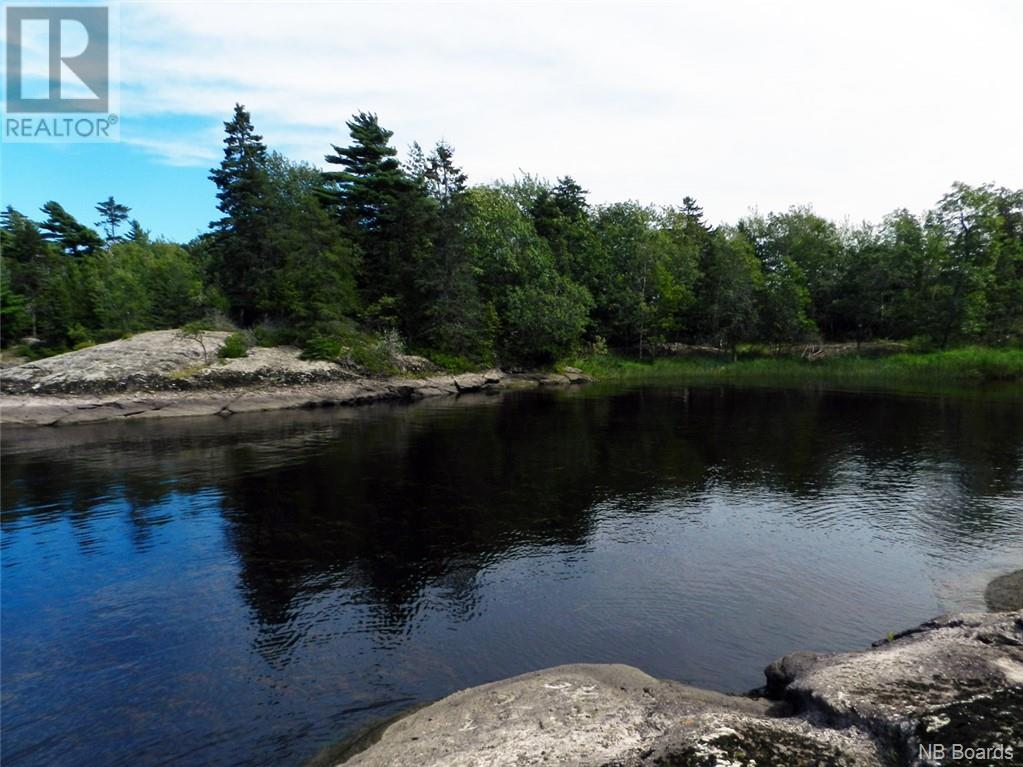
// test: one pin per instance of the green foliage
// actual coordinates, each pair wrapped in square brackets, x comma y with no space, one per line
[453,363]
[311,280]
[269,333]
[235,345]
[517,274]
[544,322]
[133,287]
[63,229]
[954,366]
[342,342]
[384,209]
[14,314]
[241,241]
[323,347]
[731,280]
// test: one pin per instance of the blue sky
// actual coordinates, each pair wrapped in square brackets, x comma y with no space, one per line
[174,201]
[856,107]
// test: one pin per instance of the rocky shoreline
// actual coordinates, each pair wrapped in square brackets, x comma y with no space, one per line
[63,410]
[162,374]
[948,691]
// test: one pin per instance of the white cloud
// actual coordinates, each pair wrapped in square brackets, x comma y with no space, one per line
[857,107]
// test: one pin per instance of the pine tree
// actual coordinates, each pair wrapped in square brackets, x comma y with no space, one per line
[452,315]
[74,238]
[20,236]
[241,237]
[561,216]
[112,215]
[384,209]
[136,233]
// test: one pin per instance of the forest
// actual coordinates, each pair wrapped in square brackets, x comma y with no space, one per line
[381,252]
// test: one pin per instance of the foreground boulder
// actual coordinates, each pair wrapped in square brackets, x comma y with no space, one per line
[604,714]
[955,679]
[909,700]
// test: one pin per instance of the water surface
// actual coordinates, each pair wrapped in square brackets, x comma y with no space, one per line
[246,591]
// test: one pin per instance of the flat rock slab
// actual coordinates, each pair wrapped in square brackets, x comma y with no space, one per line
[953,680]
[118,364]
[604,715]
[1005,592]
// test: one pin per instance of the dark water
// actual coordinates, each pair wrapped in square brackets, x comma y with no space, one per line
[247,591]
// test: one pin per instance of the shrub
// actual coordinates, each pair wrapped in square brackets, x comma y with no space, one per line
[452,363]
[339,342]
[268,333]
[322,347]
[235,345]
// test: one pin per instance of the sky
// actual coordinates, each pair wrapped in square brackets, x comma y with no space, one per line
[856,107]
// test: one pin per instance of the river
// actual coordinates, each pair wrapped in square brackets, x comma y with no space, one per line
[245,591]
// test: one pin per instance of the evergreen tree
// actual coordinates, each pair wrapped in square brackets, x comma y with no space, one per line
[687,241]
[20,237]
[14,313]
[313,286]
[453,314]
[729,285]
[74,238]
[630,303]
[561,216]
[241,237]
[386,212]
[532,313]
[136,233]
[112,215]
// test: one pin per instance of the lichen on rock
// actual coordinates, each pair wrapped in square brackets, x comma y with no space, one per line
[955,679]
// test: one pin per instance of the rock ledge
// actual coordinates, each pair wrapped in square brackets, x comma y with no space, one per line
[162,374]
[953,680]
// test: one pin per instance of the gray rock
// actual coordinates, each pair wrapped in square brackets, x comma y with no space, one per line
[128,363]
[162,374]
[554,379]
[410,363]
[470,382]
[164,360]
[577,378]
[956,679]
[784,671]
[1005,592]
[599,714]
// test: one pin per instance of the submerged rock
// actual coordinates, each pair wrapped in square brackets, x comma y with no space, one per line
[1005,592]
[953,680]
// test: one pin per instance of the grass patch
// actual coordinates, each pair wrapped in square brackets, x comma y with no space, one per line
[186,372]
[968,365]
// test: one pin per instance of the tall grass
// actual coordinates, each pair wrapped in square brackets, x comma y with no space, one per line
[957,366]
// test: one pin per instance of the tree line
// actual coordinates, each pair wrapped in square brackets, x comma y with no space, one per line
[519,273]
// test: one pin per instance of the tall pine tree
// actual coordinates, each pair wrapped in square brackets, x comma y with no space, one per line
[241,237]
[386,212]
